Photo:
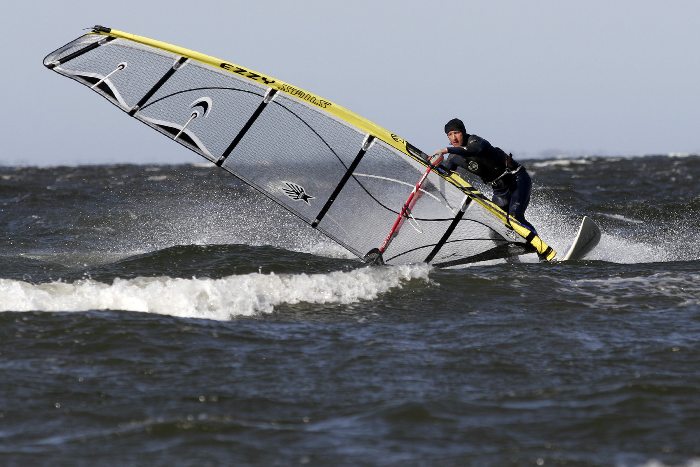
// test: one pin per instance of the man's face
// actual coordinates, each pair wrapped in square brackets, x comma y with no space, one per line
[456,138]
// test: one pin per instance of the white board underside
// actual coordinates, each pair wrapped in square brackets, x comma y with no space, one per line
[586,239]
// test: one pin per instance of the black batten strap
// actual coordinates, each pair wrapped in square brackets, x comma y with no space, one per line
[546,252]
[448,232]
[348,173]
[80,52]
[158,85]
[530,237]
[266,100]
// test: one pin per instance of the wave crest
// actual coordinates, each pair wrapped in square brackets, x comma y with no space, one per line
[218,299]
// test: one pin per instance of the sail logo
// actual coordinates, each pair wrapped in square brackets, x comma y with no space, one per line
[243,72]
[200,108]
[397,138]
[296,192]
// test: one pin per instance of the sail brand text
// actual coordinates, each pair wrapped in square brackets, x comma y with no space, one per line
[305,96]
[243,72]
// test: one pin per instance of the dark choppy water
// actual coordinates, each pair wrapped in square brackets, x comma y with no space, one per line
[234,342]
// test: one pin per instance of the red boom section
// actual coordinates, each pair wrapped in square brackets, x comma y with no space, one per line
[408,205]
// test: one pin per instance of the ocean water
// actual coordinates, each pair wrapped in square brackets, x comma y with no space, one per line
[169,315]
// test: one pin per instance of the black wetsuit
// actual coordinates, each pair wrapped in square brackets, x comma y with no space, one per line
[510,181]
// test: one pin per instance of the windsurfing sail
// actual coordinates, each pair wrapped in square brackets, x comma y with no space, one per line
[342,174]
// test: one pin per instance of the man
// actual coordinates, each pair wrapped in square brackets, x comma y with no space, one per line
[510,181]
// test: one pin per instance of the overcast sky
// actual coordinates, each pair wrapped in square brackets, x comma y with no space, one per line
[537,78]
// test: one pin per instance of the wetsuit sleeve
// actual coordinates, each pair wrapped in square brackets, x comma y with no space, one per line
[454,158]
[459,150]
[457,155]
[475,146]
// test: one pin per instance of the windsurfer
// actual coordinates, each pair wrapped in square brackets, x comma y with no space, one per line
[509,180]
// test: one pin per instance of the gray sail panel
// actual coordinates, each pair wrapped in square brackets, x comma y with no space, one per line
[476,233]
[370,203]
[365,209]
[72,47]
[222,105]
[295,154]
[121,71]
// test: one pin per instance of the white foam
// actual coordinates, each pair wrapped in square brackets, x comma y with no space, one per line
[201,165]
[218,299]
[620,217]
[657,463]
[614,291]
[560,162]
[682,155]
